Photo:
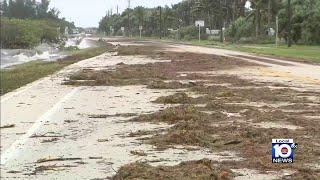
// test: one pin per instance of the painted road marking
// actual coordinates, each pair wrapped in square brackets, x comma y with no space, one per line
[15,148]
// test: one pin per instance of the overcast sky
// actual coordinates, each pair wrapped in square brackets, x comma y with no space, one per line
[87,13]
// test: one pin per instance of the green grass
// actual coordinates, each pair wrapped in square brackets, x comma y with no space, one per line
[304,52]
[311,53]
[20,75]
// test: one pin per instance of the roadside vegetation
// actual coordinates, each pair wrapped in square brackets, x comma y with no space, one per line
[242,23]
[228,114]
[307,53]
[297,52]
[18,33]
[302,53]
[26,23]
[20,75]
[247,28]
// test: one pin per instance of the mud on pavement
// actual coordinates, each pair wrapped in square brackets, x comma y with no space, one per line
[216,111]
[150,113]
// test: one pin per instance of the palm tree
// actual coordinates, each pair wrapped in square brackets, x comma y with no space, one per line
[139,12]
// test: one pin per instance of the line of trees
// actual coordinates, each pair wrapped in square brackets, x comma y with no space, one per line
[26,23]
[241,22]
[26,9]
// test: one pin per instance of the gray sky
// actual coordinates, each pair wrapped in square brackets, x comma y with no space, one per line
[87,13]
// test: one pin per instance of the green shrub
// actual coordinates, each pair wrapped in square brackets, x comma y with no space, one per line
[192,32]
[240,28]
[25,33]
[260,40]
[189,33]
[311,29]
[204,36]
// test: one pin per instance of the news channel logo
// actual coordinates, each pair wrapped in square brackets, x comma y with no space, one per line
[283,150]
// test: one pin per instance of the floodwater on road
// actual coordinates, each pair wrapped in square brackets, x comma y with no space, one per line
[44,52]
[10,57]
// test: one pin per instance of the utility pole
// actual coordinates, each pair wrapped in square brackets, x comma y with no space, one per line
[221,21]
[58,32]
[129,28]
[233,10]
[179,32]
[269,13]
[160,33]
[289,23]
[117,10]
[199,33]
[277,29]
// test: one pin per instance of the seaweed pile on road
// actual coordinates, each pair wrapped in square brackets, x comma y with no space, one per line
[228,114]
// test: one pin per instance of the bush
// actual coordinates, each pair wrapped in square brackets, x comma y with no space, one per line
[189,33]
[204,36]
[240,28]
[311,29]
[260,40]
[18,33]
[192,32]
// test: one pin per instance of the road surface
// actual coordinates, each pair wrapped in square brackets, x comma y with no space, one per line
[53,136]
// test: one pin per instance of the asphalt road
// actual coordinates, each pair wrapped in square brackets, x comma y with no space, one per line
[54,138]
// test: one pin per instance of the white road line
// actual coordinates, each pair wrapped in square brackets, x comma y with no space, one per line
[16,147]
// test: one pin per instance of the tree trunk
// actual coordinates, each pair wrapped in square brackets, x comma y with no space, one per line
[289,23]
[258,23]
[269,13]
[221,21]
[242,4]
[233,10]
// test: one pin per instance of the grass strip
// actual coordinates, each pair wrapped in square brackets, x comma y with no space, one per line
[20,75]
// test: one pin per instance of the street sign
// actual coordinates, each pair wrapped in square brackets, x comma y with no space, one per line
[122,29]
[200,23]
